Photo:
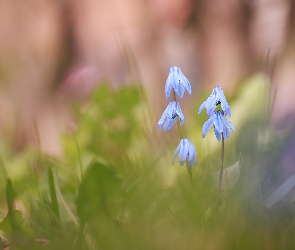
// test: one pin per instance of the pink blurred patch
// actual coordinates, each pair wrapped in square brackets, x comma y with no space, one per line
[80,81]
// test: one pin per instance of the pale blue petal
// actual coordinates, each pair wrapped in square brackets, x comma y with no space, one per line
[226,132]
[168,124]
[168,87]
[211,111]
[227,111]
[192,158]
[183,152]
[186,151]
[162,120]
[179,113]
[178,81]
[224,105]
[202,107]
[179,89]
[167,113]
[220,95]
[207,125]
[227,123]
[211,102]
[217,135]
[176,152]
[217,122]
[186,84]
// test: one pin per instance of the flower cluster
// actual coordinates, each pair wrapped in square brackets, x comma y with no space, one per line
[177,83]
[217,117]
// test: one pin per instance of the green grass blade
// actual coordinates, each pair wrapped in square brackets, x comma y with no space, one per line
[53,197]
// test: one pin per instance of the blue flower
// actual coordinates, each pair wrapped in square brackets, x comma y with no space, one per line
[170,116]
[217,97]
[186,151]
[221,125]
[178,82]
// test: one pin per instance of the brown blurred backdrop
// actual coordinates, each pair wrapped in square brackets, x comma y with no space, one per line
[54,52]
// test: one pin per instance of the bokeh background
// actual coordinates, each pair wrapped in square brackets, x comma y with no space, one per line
[53,52]
[84,80]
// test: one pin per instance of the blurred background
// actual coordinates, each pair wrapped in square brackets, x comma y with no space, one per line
[56,56]
[54,52]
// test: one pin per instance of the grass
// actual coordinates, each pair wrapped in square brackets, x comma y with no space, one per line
[115,188]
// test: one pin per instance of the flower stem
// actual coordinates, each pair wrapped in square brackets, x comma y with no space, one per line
[189,172]
[188,169]
[221,171]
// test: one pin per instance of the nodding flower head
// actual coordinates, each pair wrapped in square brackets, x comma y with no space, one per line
[221,125]
[170,116]
[186,151]
[217,97]
[178,82]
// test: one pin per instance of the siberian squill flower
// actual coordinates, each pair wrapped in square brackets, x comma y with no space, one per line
[186,151]
[221,125]
[178,82]
[170,116]
[217,97]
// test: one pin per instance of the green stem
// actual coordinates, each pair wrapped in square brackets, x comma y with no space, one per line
[188,169]
[221,171]
[189,172]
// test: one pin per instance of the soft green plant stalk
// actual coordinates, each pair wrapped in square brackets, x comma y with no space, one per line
[52,190]
[10,201]
[188,169]
[221,172]
[78,151]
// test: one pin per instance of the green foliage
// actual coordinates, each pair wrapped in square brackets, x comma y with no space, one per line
[54,204]
[100,194]
[115,188]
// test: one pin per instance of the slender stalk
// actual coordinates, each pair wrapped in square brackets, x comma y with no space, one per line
[180,130]
[188,169]
[221,171]
[189,172]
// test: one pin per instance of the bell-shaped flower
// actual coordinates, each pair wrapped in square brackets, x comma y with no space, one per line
[178,82]
[170,116]
[221,125]
[217,97]
[186,151]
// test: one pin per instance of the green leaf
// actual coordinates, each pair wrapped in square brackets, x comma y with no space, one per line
[5,225]
[9,195]
[100,193]
[54,203]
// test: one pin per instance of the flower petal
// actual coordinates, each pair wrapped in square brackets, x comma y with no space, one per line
[175,153]
[217,134]
[217,122]
[216,97]
[179,113]
[207,125]
[167,112]
[228,123]
[168,87]
[178,82]
[183,152]
[168,124]
[226,132]
[192,158]
[202,107]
